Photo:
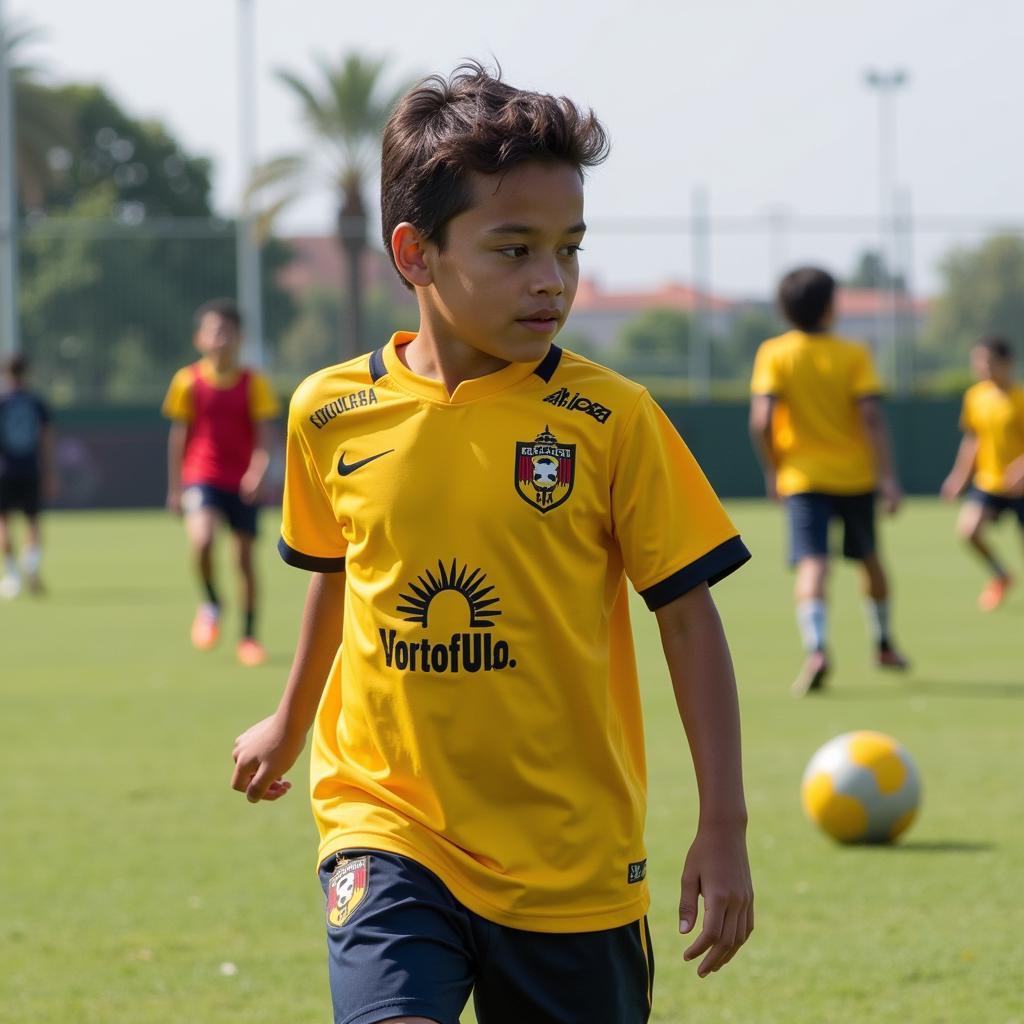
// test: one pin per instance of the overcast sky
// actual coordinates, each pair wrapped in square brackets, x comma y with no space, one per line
[762,103]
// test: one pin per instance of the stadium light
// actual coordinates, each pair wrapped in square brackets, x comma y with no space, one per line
[9,340]
[886,84]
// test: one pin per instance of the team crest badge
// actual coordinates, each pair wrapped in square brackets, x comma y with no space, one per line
[346,889]
[545,471]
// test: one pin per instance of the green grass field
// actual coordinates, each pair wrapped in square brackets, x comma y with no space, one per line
[136,887]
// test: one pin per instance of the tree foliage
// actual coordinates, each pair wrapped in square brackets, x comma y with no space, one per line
[983,293]
[109,282]
[345,107]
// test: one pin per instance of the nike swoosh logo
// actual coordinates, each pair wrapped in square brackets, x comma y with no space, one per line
[344,468]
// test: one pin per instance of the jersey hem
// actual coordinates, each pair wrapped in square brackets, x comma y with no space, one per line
[311,563]
[556,923]
[710,568]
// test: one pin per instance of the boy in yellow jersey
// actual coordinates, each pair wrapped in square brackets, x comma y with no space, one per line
[471,500]
[990,459]
[817,426]
[217,456]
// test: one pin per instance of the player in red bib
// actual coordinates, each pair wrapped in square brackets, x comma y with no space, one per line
[217,456]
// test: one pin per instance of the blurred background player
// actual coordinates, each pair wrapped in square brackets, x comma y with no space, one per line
[27,474]
[992,453]
[217,456]
[817,426]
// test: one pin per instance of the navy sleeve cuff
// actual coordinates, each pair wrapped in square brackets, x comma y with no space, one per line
[310,562]
[710,568]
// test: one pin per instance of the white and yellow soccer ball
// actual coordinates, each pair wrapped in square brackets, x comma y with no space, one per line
[862,787]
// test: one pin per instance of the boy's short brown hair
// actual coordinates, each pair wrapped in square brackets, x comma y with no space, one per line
[445,128]
[227,309]
[16,366]
[805,297]
[997,346]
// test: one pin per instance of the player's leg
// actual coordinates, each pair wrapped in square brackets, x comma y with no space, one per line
[10,582]
[860,544]
[242,520]
[201,515]
[546,977]
[32,556]
[400,946]
[809,516]
[977,512]
[877,607]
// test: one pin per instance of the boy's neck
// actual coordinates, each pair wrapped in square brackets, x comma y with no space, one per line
[221,362]
[436,355]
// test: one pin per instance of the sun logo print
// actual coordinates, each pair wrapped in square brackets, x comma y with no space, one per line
[471,585]
[545,471]
[346,889]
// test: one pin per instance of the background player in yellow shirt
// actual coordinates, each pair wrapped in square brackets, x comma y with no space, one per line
[990,458]
[817,426]
[471,500]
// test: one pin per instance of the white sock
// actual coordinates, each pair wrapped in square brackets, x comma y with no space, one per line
[813,621]
[878,621]
[32,559]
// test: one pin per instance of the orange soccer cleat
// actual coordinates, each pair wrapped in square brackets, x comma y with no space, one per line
[250,652]
[205,627]
[994,593]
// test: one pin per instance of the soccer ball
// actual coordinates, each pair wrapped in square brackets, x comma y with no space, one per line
[861,787]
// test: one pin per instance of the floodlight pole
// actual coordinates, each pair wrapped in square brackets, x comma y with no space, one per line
[247,251]
[9,340]
[886,84]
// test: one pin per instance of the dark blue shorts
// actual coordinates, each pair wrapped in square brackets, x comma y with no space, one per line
[240,515]
[20,494]
[400,944]
[996,504]
[811,514]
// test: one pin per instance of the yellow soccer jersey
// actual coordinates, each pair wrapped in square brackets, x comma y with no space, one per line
[817,436]
[179,404]
[483,714]
[996,418]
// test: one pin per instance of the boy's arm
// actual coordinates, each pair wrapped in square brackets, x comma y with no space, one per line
[963,466]
[252,480]
[873,419]
[175,455]
[716,866]
[264,752]
[761,407]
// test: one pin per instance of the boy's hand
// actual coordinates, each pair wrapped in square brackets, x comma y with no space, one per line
[250,488]
[891,494]
[262,754]
[1015,478]
[174,502]
[717,869]
[770,488]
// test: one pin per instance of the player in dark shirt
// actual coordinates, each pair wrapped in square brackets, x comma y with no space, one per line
[26,474]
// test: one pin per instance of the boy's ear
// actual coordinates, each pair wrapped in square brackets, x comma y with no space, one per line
[408,247]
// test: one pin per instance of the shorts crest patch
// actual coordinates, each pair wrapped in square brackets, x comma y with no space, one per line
[346,889]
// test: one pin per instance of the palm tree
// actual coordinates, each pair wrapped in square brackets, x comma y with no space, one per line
[42,126]
[346,110]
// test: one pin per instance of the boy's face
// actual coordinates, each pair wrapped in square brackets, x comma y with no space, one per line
[507,277]
[986,365]
[216,334]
